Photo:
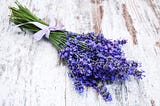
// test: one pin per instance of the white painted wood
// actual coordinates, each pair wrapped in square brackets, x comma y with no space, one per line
[29,71]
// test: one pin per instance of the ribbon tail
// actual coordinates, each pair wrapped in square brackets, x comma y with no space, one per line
[62,27]
[47,34]
[38,35]
[41,26]
[53,28]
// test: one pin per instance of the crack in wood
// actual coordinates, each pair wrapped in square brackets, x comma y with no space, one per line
[152,102]
[153,9]
[129,24]
[155,51]
[155,13]
[97,15]
[96,1]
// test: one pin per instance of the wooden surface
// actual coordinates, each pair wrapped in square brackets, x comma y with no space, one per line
[29,71]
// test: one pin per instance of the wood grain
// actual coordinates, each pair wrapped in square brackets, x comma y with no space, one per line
[30,74]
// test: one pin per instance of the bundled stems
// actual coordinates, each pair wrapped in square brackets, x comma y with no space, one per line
[22,15]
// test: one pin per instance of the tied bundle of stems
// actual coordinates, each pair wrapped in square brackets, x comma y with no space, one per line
[93,60]
[23,15]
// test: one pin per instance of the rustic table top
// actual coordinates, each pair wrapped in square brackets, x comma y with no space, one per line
[30,74]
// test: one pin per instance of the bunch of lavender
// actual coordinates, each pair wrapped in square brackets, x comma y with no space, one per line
[93,61]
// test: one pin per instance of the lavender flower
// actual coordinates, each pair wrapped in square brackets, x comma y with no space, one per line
[94,60]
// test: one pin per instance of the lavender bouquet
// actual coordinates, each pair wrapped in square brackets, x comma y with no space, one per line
[93,60]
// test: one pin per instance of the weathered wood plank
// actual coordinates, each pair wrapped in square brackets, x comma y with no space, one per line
[29,71]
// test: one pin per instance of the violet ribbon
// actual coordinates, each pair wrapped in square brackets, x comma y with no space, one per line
[45,30]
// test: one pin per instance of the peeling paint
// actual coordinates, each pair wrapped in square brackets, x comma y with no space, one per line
[97,13]
[153,9]
[129,24]
[157,43]
[153,103]
[155,13]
